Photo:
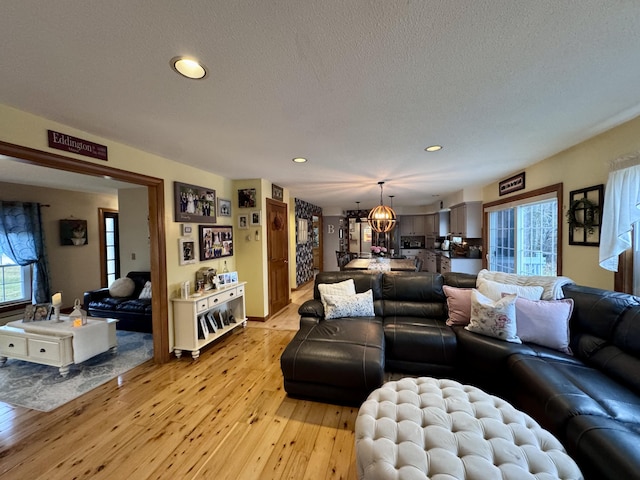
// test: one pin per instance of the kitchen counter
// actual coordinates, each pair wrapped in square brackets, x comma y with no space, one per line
[449,254]
[446,261]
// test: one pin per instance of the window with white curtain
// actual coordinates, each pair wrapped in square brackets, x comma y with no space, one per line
[523,234]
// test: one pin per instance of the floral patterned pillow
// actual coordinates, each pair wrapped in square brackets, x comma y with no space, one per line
[494,318]
[358,305]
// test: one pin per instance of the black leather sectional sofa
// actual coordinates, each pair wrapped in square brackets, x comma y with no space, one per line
[133,313]
[590,400]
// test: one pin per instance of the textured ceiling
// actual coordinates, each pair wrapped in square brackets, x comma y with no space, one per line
[358,87]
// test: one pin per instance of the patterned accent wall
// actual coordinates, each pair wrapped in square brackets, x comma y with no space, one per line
[304,251]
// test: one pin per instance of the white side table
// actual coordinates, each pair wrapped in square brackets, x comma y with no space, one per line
[46,343]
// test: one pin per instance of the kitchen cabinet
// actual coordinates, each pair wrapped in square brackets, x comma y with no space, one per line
[430,224]
[412,252]
[431,261]
[412,225]
[466,220]
[437,224]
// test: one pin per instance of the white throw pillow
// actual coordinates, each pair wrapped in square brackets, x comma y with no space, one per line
[358,305]
[494,290]
[122,287]
[348,287]
[146,291]
[494,318]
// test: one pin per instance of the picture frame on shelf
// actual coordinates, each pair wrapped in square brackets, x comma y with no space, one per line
[215,242]
[256,218]
[224,207]
[193,203]
[243,221]
[187,250]
[37,312]
[247,198]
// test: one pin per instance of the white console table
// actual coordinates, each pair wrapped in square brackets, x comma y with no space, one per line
[187,313]
[51,343]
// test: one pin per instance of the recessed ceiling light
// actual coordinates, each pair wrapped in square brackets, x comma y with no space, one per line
[433,148]
[188,67]
[299,160]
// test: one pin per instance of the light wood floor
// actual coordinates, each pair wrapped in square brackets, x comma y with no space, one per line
[224,416]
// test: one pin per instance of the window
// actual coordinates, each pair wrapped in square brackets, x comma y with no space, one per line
[524,233]
[15,282]
[109,246]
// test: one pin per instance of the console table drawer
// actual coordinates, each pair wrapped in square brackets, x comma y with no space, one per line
[202,305]
[222,297]
[13,345]
[41,349]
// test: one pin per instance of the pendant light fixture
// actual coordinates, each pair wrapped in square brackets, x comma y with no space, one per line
[358,218]
[382,219]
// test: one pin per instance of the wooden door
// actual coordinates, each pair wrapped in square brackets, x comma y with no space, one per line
[278,255]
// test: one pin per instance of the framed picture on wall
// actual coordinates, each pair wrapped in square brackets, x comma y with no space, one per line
[194,204]
[243,222]
[256,218]
[247,198]
[224,207]
[215,242]
[73,232]
[277,192]
[187,250]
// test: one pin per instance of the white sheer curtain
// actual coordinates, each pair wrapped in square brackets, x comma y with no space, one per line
[621,209]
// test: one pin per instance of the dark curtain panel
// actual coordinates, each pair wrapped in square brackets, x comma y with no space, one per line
[22,240]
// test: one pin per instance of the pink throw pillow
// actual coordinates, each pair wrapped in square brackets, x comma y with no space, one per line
[545,322]
[459,305]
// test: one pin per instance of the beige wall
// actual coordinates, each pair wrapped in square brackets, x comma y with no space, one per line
[251,254]
[28,130]
[581,166]
[133,221]
[73,269]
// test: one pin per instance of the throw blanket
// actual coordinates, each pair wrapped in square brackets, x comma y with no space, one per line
[552,285]
[88,340]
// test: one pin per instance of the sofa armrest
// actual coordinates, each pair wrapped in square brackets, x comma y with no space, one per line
[93,295]
[311,308]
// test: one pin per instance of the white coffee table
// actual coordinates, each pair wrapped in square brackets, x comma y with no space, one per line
[58,344]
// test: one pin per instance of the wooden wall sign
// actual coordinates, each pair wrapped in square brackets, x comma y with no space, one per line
[512,184]
[67,143]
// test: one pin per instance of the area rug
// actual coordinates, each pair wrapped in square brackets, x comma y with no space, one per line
[41,387]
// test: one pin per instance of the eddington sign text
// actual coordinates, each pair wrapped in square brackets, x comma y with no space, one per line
[71,144]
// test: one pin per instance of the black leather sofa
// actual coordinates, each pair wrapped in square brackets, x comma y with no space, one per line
[590,400]
[133,313]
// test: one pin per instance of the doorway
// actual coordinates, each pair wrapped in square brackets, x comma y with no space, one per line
[108,229]
[317,243]
[155,192]
[278,255]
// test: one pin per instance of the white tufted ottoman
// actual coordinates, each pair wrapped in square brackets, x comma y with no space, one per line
[424,428]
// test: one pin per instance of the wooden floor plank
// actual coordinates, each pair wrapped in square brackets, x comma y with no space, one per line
[224,416]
